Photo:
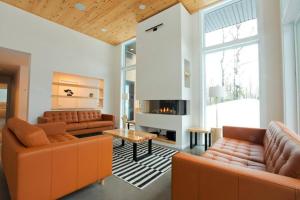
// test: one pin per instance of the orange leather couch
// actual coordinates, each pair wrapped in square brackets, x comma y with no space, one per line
[247,164]
[80,122]
[44,162]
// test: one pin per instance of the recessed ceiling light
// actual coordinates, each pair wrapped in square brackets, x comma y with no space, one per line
[80,6]
[142,6]
[131,49]
[103,29]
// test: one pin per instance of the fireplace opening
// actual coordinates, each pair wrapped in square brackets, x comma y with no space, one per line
[168,107]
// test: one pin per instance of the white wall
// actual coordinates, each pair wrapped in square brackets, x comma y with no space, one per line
[159,75]
[54,48]
[271,84]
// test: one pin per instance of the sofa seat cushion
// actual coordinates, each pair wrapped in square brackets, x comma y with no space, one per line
[96,124]
[90,115]
[76,126]
[61,138]
[232,160]
[27,134]
[239,148]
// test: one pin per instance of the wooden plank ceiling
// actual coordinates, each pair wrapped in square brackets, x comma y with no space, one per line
[118,17]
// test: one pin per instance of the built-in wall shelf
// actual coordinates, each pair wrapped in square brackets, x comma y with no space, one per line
[78,97]
[74,92]
[76,85]
[70,109]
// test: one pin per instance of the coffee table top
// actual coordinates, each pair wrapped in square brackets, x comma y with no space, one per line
[131,135]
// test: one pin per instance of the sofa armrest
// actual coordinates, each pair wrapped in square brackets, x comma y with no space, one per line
[53,128]
[195,177]
[108,117]
[42,120]
[254,135]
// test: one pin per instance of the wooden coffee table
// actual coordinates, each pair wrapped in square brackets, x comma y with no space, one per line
[135,137]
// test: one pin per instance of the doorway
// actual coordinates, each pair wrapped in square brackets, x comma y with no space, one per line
[3,103]
[14,85]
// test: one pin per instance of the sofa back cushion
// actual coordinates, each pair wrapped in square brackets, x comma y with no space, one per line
[282,150]
[90,115]
[62,116]
[27,134]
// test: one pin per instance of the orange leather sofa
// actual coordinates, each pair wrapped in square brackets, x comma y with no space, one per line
[80,122]
[247,164]
[44,162]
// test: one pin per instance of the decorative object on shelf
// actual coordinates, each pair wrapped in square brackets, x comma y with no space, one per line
[216,92]
[91,95]
[69,92]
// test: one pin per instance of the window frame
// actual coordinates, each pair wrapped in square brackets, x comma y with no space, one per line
[124,69]
[297,61]
[221,47]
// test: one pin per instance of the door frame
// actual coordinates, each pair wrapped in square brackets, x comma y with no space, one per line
[9,108]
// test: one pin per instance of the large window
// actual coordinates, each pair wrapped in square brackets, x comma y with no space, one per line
[129,80]
[231,64]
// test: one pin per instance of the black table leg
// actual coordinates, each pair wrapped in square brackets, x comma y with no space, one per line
[128,126]
[209,139]
[123,142]
[191,140]
[205,141]
[149,147]
[135,157]
[135,152]
[196,140]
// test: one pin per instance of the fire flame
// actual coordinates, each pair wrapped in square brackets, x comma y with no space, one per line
[165,110]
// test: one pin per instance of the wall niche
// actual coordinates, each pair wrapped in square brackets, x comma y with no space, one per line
[70,91]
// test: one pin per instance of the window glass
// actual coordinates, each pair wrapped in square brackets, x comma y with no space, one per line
[130,54]
[129,102]
[236,71]
[231,33]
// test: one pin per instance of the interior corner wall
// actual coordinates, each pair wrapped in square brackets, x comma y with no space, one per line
[117,102]
[270,52]
[198,108]
[54,48]
[21,81]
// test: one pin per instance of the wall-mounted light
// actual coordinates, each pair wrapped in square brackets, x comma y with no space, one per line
[154,28]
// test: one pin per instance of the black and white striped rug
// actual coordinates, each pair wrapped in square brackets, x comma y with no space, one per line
[142,173]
